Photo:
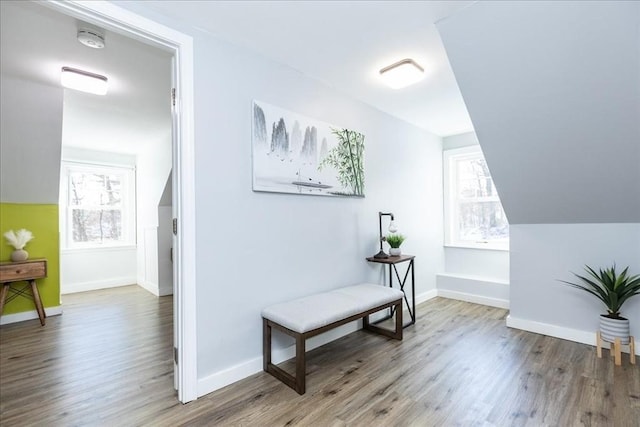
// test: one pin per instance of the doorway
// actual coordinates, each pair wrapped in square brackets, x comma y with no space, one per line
[113,18]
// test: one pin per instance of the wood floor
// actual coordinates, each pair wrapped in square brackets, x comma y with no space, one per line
[107,362]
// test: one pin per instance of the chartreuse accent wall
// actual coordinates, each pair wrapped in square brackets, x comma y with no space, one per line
[42,221]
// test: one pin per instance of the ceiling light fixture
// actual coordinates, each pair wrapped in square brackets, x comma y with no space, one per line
[84,81]
[402,73]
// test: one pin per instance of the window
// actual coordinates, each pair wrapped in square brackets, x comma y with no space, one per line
[98,205]
[473,213]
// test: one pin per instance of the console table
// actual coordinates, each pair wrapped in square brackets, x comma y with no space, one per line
[23,271]
[392,262]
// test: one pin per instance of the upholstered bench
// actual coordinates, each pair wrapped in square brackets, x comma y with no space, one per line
[309,316]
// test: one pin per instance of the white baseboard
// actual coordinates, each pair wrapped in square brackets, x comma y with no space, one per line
[6,319]
[164,292]
[236,373]
[569,334]
[473,278]
[474,298]
[476,289]
[426,296]
[150,287]
[97,284]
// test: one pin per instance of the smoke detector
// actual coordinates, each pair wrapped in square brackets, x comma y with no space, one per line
[91,38]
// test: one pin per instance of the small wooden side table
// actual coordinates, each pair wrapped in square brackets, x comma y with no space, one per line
[23,271]
[392,262]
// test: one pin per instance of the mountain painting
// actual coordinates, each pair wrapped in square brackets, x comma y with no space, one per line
[296,154]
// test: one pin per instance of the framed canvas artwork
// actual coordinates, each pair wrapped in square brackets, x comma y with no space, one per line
[296,154]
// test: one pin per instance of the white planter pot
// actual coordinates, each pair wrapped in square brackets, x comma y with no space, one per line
[394,251]
[610,329]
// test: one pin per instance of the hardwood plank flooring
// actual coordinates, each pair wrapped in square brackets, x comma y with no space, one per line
[107,361]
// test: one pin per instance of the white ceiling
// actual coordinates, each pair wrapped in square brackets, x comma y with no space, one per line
[345,44]
[36,42]
[341,43]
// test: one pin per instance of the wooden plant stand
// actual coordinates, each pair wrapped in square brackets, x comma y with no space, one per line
[616,349]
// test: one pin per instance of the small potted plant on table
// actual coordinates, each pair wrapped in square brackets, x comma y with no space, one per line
[395,240]
[613,290]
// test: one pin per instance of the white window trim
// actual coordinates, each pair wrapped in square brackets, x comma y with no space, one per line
[450,205]
[129,210]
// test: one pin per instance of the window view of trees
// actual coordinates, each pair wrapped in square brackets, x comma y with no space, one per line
[96,207]
[473,213]
[480,213]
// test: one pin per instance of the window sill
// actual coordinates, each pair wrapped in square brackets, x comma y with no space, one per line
[484,247]
[98,249]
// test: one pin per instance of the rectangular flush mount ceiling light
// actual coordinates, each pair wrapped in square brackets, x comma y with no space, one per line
[402,74]
[84,81]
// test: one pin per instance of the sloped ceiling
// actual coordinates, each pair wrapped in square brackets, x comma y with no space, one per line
[553,91]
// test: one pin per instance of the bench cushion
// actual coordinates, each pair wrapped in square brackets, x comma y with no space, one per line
[315,311]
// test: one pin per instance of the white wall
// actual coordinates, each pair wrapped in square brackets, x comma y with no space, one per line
[165,241]
[476,275]
[544,254]
[153,168]
[89,269]
[94,268]
[165,245]
[553,90]
[31,130]
[256,249]
[481,263]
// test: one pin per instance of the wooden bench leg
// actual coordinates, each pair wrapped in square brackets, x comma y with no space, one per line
[298,383]
[399,324]
[266,345]
[599,345]
[632,351]
[397,333]
[301,364]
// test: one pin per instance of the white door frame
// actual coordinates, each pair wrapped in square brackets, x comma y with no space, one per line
[114,18]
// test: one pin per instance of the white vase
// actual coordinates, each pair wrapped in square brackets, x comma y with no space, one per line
[610,329]
[394,251]
[19,255]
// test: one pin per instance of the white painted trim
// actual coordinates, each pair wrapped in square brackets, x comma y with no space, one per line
[426,296]
[483,279]
[483,246]
[149,287]
[72,288]
[154,289]
[476,299]
[6,319]
[105,249]
[575,335]
[162,292]
[112,17]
